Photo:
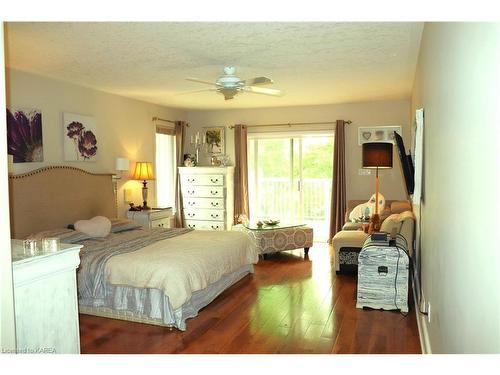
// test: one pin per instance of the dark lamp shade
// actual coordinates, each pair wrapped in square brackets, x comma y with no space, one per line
[377,154]
[143,171]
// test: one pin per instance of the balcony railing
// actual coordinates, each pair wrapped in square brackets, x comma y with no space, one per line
[275,198]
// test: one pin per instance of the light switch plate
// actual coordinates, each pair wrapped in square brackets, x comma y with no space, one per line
[364,172]
[127,195]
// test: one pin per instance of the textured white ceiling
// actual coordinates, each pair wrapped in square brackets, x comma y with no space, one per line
[313,62]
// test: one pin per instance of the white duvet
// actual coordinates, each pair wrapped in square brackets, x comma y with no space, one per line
[184,264]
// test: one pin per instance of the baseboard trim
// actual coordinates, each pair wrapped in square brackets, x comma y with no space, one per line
[425,344]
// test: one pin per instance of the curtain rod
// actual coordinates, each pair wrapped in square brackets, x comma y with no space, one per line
[295,123]
[162,119]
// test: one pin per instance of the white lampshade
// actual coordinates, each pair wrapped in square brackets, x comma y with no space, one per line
[122,164]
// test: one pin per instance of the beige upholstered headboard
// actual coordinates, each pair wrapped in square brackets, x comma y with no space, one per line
[53,197]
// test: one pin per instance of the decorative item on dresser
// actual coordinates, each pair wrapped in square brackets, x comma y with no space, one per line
[45,298]
[207,196]
[154,218]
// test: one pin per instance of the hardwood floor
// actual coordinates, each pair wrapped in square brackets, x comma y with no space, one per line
[290,305]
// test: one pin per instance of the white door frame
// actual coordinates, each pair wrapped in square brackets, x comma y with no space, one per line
[7,318]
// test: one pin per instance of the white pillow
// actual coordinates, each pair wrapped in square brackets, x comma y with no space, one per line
[98,226]
[381,203]
[360,209]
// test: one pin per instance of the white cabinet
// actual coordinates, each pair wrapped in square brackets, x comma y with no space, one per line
[207,196]
[45,300]
[154,218]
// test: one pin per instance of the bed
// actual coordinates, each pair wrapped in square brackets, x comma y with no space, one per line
[159,276]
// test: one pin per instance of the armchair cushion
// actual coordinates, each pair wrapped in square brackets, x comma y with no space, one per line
[352,226]
[349,238]
[400,206]
[394,221]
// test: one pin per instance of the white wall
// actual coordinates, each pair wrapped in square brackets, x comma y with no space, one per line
[7,323]
[124,126]
[378,113]
[458,85]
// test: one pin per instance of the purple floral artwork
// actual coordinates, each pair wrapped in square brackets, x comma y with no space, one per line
[80,142]
[87,144]
[24,135]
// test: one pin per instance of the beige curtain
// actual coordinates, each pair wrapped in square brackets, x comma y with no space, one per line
[339,203]
[240,173]
[179,156]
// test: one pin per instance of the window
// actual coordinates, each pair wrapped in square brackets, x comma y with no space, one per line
[165,168]
[290,178]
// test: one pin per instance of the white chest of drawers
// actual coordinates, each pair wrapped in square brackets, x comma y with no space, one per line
[207,196]
[45,298]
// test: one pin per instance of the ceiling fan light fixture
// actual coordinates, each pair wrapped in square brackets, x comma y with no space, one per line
[229,93]
[229,84]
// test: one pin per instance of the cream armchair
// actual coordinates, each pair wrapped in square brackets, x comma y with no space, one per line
[348,243]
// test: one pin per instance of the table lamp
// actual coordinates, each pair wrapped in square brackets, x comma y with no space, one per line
[144,171]
[377,155]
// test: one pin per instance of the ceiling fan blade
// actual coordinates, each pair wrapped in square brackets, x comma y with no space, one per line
[262,90]
[258,81]
[194,92]
[201,81]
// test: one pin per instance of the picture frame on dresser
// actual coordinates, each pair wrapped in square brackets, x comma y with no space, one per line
[215,139]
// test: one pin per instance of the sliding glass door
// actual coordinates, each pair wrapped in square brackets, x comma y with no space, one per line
[290,178]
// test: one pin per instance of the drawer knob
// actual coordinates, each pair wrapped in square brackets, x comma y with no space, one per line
[213,192]
[215,227]
[191,192]
[214,180]
[214,204]
[191,214]
[214,216]
[191,203]
[190,179]
[192,226]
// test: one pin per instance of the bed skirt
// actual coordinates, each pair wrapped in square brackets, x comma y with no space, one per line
[152,306]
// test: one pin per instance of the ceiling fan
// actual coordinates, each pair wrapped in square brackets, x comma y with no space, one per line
[229,85]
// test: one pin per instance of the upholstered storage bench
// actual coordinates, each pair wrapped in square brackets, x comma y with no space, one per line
[347,245]
[280,238]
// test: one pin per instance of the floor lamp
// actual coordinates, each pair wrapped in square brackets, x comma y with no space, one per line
[377,155]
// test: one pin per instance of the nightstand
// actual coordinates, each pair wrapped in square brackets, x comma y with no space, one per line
[154,218]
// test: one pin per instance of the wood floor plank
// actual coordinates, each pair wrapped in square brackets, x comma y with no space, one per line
[290,305]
